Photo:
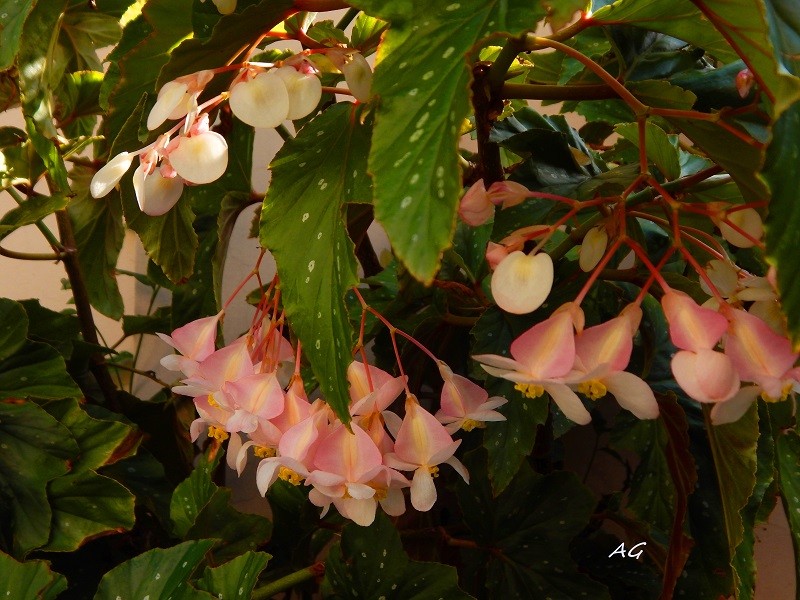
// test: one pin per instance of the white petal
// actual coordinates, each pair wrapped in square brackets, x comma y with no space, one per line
[521,282]
[262,101]
[305,91]
[632,393]
[749,221]
[568,402]
[156,194]
[108,176]
[423,491]
[232,453]
[201,158]
[170,97]
[593,248]
[358,75]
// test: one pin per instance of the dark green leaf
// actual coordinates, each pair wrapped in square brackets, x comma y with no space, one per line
[30,212]
[658,147]
[678,18]
[86,505]
[371,563]
[191,495]
[788,454]
[101,441]
[423,92]
[36,370]
[236,578]
[13,327]
[159,322]
[30,436]
[226,41]
[11,31]
[303,225]
[32,579]
[97,224]
[530,527]
[159,573]
[84,31]
[783,221]
[58,329]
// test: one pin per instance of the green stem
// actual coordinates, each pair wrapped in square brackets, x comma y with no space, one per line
[498,70]
[51,239]
[532,91]
[351,14]
[29,255]
[286,583]
[284,133]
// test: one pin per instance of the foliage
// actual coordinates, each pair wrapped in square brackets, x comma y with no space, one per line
[624,246]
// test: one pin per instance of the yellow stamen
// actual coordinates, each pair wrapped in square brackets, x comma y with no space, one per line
[785,391]
[593,389]
[218,433]
[264,452]
[530,390]
[380,493]
[434,471]
[287,474]
[212,401]
[470,424]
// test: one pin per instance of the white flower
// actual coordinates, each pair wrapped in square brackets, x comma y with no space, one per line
[304,91]
[262,101]
[155,193]
[200,158]
[521,282]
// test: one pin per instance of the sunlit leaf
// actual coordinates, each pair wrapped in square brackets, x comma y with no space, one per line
[302,224]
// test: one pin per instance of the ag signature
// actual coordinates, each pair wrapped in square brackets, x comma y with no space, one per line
[628,553]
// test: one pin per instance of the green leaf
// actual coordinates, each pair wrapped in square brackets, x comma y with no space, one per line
[159,322]
[367,32]
[15,14]
[30,212]
[237,532]
[86,505]
[99,232]
[370,563]
[191,495]
[652,492]
[236,578]
[788,454]
[424,97]
[55,328]
[658,147]
[226,41]
[83,31]
[36,370]
[303,225]
[30,436]
[529,527]
[678,18]
[101,441]
[783,222]
[159,573]
[13,327]
[136,61]
[758,33]
[32,579]
[508,442]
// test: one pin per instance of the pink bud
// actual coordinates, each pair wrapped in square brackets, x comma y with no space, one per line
[475,207]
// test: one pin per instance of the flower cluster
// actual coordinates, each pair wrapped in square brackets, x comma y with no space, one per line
[242,391]
[261,95]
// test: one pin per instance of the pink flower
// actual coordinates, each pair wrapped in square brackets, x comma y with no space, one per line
[704,374]
[195,341]
[421,445]
[475,207]
[603,353]
[542,357]
[464,404]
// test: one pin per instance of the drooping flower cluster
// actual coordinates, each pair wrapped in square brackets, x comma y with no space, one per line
[261,95]
[241,392]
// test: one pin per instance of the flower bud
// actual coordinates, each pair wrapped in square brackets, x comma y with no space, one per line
[107,177]
[155,193]
[593,248]
[746,219]
[521,283]
[262,101]
[475,207]
[357,73]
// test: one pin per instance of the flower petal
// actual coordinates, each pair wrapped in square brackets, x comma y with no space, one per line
[262,101]
[109,175]
[733,409]
[200,158]
[568,402]
[521,282]
[633,394]
[423,490]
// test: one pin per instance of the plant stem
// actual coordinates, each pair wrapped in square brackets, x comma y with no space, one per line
[286,583]
[533,91]
[149,374]
[487,109]
[51,239]
[84,308]
[347,18]
[29,255]
[498,70]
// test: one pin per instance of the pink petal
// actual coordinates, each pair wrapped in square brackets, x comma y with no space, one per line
[692,327]
[547,350]
[421,435]
[460,396]
[350,455]
[195,340]
[259,394]
[706,376]
[394,504]
[756,350]
[359,384]
[607,344]
[633,394]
